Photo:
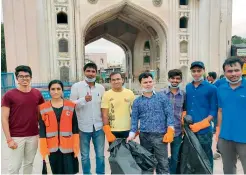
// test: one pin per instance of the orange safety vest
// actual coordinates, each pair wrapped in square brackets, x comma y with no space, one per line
[65,140]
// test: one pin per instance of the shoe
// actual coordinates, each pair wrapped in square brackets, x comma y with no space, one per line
[217,156]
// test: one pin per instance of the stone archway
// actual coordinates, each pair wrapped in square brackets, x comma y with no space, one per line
[132,25]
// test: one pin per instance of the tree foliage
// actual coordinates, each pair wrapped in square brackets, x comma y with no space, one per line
[238,39]
[3,53]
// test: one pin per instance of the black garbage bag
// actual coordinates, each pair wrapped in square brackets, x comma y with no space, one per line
[192,158]
[121,160]
[145,160]
[44,170]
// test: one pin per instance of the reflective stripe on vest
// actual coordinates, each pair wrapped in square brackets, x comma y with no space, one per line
[52,150]
[66,133]
[63,150]
[51,134]
[68,108]
[46,110]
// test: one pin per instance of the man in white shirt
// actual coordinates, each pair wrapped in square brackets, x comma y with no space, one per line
[87,95]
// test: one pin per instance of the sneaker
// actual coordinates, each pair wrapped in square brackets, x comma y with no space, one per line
[217,156]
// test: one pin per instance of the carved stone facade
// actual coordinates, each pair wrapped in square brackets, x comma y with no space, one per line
[177,34]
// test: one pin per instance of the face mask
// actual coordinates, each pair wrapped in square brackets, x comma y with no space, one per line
[234,82]
[90,80]
[200,79]
[147,90]
[174,87]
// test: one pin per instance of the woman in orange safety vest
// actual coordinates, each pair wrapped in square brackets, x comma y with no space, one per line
[59,133]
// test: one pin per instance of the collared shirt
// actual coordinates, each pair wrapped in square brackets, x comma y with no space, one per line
[179,105]
[88,113]
[219,82]
[201,102]
[155,113]
[233,105]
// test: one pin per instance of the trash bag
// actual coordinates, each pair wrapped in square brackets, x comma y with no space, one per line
[121,160]
[145,160]
[192,158]
[44,170]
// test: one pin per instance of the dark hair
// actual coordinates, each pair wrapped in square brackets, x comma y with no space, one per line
[222,76]
[232,60]
[90,65]
[174,72]
[212,74]
[55,82]
[144,75]
[114,73]
[23,68]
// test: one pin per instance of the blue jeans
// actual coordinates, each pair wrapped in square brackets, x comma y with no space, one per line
[175,146]
[98,139]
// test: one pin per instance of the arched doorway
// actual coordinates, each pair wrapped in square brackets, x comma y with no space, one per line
[130,27]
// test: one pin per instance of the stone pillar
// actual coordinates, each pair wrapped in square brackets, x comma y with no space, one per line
[204,31]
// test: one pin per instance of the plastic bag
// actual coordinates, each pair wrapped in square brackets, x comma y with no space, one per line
[192,158]
[121,160]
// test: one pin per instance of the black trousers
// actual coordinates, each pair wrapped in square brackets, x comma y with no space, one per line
[63,163]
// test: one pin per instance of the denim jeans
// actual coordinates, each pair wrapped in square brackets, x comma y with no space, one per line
[98,139]
[153,143]
[175,146]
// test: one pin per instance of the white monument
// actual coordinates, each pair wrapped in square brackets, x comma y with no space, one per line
[50,35]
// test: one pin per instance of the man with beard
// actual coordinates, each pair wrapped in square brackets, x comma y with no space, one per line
[177,98]
[154,112]
[87,95]
[201,101]
[232,116]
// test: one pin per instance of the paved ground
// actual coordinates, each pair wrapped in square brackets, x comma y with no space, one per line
[218,169]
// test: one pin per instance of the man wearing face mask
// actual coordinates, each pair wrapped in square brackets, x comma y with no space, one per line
[232,116]
[87,95]
[116,109]
[155,114]
[201,101]
[177,98]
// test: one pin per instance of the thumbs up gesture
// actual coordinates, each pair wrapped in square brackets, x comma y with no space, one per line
[88,97]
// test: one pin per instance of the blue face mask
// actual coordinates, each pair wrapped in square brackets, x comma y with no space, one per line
[173,87]
[90,80]
[200,79]
[234,82]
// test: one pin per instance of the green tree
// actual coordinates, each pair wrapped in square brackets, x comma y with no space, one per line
[3,54]
[237,39]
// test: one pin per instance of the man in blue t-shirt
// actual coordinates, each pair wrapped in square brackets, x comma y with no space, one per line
[232,109]
[201,99]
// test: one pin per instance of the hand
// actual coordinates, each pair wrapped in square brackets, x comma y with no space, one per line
[12,144]
[107,130]
[88,97]
[168,137]
[129,138]
[200,125]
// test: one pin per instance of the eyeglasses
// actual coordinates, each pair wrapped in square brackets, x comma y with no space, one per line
[24,76]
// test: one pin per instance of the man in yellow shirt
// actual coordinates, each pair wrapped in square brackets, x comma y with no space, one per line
[116,109]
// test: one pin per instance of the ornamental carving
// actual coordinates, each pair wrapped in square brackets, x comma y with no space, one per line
[157,3]
[92,1]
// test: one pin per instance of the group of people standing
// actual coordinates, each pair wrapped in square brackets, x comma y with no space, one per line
[66,127]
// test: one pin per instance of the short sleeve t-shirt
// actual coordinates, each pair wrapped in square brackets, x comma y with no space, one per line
[119,105]
[23,116]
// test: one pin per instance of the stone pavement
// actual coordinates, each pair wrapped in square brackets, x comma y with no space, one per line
[218,169]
